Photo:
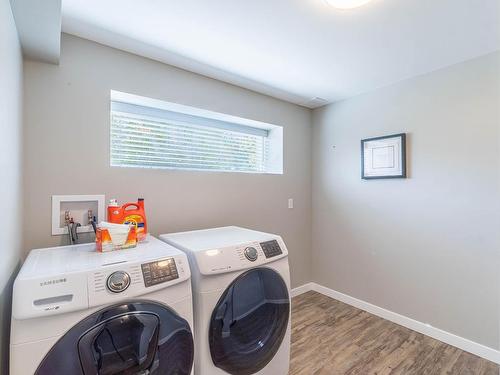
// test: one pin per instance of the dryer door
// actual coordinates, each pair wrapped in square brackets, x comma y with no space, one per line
[249,322]
[130,338]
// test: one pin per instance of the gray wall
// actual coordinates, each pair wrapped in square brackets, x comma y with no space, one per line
[67,150]
[10,165]
[426,247]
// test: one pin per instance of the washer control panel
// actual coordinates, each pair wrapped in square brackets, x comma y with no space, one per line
[159,271]
[133,272]
[271,248]
[118,281]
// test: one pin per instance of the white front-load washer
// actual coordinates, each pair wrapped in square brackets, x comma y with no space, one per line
[76,311]
[241,294]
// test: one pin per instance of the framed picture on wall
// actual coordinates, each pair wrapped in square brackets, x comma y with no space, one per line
[383,157]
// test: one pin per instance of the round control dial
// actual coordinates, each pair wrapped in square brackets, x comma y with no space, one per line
[251,254]
[118,281]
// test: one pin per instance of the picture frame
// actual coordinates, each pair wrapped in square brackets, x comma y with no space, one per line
[383,157]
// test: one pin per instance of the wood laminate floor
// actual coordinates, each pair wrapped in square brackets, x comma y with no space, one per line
[332,338]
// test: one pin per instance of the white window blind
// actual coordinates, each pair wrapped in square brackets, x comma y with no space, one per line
[157,138]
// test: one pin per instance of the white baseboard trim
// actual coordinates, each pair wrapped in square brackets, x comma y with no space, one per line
[426,329]
[301,289]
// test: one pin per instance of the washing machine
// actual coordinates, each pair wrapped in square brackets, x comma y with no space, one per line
[76,311]
[241,294]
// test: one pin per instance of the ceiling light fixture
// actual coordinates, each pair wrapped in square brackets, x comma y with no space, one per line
[347,4]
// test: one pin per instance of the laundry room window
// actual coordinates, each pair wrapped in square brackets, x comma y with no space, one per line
[150,133]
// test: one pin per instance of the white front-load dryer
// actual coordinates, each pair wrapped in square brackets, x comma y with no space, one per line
[77,312]
[241,294]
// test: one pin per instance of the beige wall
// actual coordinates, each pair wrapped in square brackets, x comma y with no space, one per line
[426,247]
[67,150]
[10,165]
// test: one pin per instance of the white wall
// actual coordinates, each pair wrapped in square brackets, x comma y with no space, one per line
[10,166]
[67,150]
[426,247]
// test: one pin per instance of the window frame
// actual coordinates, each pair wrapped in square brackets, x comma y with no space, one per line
[176,114]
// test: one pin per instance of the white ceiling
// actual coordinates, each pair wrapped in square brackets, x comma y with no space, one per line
[295,50]
[39,28]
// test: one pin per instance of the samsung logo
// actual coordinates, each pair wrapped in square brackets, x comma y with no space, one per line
[52,282]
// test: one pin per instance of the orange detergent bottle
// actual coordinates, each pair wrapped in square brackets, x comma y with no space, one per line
[129,213]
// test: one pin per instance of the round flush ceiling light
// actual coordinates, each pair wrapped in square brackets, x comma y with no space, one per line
[347,4]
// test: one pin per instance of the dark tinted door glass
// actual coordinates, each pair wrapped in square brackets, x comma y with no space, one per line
[249,322]
[125,344]
[125,339]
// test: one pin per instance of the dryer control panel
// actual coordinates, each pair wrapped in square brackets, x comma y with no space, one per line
[240,256]
[271,248]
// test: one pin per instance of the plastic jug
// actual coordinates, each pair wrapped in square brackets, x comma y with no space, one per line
[130,213]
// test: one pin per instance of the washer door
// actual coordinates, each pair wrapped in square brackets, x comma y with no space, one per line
[125,339]
[249,322]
